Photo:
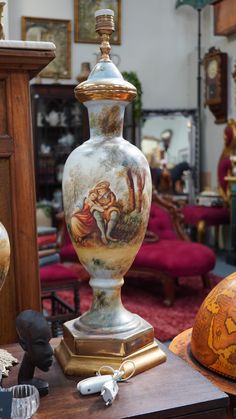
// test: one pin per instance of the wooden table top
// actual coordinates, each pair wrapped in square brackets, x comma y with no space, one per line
[172,389]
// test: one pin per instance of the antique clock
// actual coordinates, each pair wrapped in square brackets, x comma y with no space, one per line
[215,66]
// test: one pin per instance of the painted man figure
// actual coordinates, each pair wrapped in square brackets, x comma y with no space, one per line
[106,220]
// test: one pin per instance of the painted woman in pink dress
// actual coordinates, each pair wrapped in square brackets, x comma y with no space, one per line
[83,222]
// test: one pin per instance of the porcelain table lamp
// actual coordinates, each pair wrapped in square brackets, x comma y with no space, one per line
[4,254]
[107,195]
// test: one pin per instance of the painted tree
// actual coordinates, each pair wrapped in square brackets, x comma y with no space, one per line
[130,184]
[140,173]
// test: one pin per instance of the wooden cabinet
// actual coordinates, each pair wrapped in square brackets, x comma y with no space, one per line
[60,123]
[18,63]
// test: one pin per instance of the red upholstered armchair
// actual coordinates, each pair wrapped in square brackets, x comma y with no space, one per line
[203,216]
[172,255]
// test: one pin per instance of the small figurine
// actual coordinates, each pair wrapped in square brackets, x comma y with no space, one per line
[34,336]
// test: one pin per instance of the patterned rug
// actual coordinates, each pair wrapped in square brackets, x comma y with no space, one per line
[144,297]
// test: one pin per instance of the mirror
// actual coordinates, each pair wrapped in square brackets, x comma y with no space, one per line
[169,142]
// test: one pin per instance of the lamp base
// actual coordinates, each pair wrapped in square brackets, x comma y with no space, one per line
[83,355]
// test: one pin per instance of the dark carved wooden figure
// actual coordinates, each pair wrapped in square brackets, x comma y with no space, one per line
[34,336]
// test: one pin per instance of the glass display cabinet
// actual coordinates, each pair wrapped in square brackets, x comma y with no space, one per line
[60,123]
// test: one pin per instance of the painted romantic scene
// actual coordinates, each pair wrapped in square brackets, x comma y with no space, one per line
[104,219]
[99,215]
[107,211]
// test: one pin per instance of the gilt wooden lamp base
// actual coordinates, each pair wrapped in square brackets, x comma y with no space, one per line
[82,354]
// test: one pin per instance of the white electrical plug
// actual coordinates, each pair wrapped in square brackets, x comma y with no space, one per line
[109,391]
[93,384]
[107,384]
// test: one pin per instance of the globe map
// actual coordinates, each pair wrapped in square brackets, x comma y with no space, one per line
[213,341]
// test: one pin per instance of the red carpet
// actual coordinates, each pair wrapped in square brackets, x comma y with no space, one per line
[144,298]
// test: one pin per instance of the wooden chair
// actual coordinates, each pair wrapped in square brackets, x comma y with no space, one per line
[54,279]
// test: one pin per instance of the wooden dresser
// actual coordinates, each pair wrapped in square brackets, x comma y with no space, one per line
[19,62]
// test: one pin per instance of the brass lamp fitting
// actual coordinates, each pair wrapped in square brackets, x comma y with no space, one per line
[104,27]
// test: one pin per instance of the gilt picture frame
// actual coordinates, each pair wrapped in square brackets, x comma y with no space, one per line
[84,20]
[57,31]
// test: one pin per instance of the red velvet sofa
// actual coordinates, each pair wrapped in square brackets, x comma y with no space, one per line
[171,257]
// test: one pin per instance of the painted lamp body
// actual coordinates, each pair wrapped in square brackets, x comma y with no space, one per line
[4,254]
[107,196]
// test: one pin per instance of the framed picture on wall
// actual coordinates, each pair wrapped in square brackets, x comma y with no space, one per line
[51,30]
[84,19]
[225,17]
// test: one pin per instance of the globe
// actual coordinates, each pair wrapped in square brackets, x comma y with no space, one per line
[213,341]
